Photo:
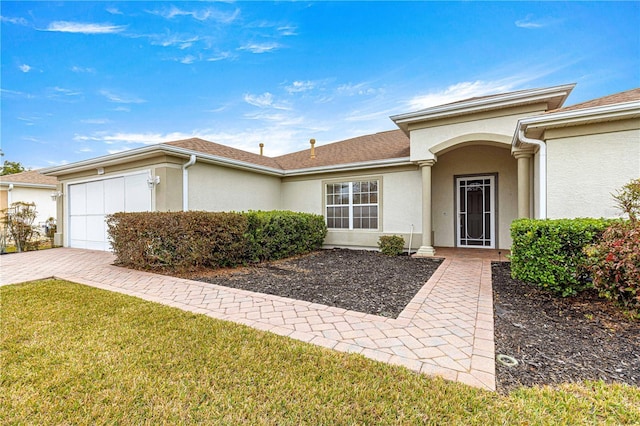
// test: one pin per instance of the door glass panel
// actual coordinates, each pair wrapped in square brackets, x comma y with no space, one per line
[475,211]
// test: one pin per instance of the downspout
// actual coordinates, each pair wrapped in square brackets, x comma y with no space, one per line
[185,182]
[542,201]
[9,197]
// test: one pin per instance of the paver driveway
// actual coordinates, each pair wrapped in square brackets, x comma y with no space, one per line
[446,330]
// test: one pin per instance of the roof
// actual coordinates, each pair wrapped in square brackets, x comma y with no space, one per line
[212,148]
[378,146]
[30,178]
[617,98]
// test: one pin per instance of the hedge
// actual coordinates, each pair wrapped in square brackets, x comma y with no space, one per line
[549,253]
[186,241]
[278,234]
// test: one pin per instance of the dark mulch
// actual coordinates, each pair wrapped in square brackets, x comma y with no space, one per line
[358,280]
[558,340]
[554,340]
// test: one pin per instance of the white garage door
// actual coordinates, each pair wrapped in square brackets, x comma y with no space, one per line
[90,202]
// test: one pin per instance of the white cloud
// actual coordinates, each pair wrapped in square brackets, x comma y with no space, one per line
[121,98]
[260,47]
[300,86]
[25,68]
[114,11]
[66,92]
[219,57]
[530,23]
[182,41]
[17,21]
[462,90]
[122,109]
[287,30]
[96,121]
[360,89]
[189,59]
[82,69]
[262,101]
[84,28]
[200,15]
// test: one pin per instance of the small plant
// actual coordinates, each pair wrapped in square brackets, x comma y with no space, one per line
[614,261]
[18,221]
[391,245]
[628,200]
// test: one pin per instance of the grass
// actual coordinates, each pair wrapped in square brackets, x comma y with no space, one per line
[72,354]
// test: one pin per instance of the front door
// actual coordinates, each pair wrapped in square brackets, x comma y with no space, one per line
[475,198]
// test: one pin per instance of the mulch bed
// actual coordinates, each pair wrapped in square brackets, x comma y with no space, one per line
[557,340]
[357,280]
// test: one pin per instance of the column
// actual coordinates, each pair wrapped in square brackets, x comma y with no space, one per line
[426,249]
[524,183]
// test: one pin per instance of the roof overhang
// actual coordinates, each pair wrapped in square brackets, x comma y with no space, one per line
[554,97]
[390,162]
[534,127]
[152,151]
[28,185]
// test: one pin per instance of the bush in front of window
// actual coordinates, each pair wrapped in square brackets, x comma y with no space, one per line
[188,241]
[391,245]
[278,234]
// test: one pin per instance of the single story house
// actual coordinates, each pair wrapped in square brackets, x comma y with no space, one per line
[454,175]
[30,187]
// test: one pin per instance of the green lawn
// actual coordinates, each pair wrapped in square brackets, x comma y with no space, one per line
[72,354]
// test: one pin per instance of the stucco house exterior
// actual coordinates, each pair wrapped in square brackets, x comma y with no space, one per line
[30,187]
[454,175]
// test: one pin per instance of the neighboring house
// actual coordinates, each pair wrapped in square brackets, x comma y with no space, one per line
[454,175]
[30,187]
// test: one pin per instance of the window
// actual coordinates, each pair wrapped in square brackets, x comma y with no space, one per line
[352,205]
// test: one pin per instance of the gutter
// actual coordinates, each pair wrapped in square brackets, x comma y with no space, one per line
[185,182]
[542,199]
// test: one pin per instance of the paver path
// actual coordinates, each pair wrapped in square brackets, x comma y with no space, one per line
[446,330]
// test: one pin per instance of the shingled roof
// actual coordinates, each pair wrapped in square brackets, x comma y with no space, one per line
[616,98]
[30,177]
[212,148]
[379,146]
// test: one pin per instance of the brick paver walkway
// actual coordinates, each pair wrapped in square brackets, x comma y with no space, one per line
[446,330]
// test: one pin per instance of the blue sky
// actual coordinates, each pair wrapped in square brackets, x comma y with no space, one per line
[86,79]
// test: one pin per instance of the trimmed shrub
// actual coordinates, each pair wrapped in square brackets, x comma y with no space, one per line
[186,241]
[614,263]
[180,241]
[278,234]
[391,245]
[549,253]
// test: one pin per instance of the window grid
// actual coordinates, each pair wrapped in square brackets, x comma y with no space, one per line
[352,205]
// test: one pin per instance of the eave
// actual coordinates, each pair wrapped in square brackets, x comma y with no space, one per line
[534,127]
[554,97]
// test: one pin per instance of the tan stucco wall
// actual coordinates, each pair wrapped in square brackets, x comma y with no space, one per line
[584,170]
[169,191]
[400,204]
[437,137]
[216,188]
[470,160]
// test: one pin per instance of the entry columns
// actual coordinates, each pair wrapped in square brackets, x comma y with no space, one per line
[524,183]
[426,249]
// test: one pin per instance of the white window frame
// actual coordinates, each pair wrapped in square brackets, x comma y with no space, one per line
[350,205]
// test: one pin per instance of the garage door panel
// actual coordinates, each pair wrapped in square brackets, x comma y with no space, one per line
[78,199]
[95,197]
[113,195]
[137,194]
